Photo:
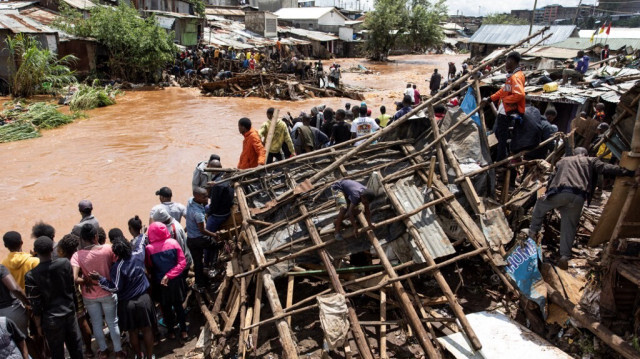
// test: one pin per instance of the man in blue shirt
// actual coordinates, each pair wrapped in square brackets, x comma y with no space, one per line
[581,67]
[199,238]
[406,107]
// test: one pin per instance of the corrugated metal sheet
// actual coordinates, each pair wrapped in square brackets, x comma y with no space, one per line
[18,23]
[512,34]
[40,14]
[577,43]
[16,5]
[311,35]
[306,13]
[224,12]
[552,52]
[80,4]
[165,22]
[615,33]
[176,15]
[431,233]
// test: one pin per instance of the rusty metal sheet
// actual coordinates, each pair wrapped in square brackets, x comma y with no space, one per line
[432,235]
[496,228]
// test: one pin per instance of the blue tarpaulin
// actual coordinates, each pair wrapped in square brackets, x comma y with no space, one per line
[523,269]
[469,104]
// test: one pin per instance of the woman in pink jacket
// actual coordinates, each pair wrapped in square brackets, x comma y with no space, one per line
[165,262]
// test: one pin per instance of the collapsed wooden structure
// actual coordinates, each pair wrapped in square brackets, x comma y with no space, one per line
[275,86]
[283,228]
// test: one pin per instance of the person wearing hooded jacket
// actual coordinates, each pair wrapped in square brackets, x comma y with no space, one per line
[165,262]
[177,232]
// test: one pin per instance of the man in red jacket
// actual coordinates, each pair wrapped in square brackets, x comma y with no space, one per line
[512,102]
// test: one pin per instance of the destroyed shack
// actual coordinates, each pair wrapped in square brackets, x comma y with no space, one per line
[440,223]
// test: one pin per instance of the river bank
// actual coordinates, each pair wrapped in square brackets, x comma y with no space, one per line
[120,155]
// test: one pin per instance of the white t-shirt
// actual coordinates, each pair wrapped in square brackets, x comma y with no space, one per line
[409,91]
[175,210]
[363,126]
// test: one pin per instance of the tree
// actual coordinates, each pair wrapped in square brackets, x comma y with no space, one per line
[417,22]
[33,69]
[138,48]
[503,19]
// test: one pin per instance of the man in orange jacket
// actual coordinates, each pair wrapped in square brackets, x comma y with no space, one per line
[253,152]
[512,102]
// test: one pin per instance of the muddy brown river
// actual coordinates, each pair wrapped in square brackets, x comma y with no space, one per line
[120,155]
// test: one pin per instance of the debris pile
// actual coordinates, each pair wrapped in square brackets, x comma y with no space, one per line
[443,243]
[275,86]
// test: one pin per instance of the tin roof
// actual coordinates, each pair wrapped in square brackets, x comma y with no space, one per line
[40,14]
[17,23]
[15,5]
[175,15]
[309,34]
[224,12]
[80,4]
[578,43]
[306,13]
[512,34]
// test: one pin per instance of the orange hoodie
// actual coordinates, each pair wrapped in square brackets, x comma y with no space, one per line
[512,93]
[253,152]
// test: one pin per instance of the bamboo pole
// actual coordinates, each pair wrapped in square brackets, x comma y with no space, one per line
[286,338]
[436,132]
[383,327]
[444,286]
[358,334]
[376,287]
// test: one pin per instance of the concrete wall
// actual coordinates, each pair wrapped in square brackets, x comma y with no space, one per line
[345,34]
[262,23]
[273,5]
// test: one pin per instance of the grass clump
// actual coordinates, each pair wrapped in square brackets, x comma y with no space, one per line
[19,124]
[90,97]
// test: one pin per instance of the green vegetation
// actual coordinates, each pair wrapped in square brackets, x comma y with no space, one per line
[503,19]
[138,48]
[199,7]
[415,23]
[34,70]
[22,125]
[90,97]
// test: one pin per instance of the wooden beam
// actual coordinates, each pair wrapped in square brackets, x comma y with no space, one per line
[383,328]
[440,155]
[437,275]
[291,281]
[286,338]
[257,304]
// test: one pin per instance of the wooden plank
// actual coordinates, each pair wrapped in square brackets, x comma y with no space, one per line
[257,304]
[505,187]
[442,282]
[383,328]
[290,283]
[284,331]
[439,154]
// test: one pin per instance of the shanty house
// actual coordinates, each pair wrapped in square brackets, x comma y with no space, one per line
[323,45]
[226,12]
[176,6]
[490,37]
[327,19]
[12,24]
[263,23]
[273,5]
[187,28]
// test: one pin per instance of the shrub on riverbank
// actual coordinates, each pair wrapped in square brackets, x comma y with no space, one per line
[19,124]
[90,97]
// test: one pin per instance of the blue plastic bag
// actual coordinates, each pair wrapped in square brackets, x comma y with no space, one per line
[469,104]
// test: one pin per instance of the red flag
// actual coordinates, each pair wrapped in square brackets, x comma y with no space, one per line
[609,28]
[602,28]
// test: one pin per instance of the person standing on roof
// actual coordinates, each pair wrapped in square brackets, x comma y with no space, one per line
[604,54]
[512,102]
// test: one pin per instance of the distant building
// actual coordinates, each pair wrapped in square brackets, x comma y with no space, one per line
[620,6]
[553,13]
[490,37]
[327,19]
[263,23]
[272,5]
[187,28]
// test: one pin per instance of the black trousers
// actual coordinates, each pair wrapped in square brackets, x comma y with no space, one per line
[197,246]
[272,157]
[66,331]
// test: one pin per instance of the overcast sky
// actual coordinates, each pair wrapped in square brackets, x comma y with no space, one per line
[466,7]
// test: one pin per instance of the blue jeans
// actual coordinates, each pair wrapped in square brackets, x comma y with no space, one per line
[107,305]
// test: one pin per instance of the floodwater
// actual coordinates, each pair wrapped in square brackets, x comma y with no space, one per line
[120,155]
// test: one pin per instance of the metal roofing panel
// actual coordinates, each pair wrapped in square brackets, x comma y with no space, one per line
[432,235]
[40,14]
[577,43]
[16,5]
[19,23]
[165,22]
[512,34]
[306,13]
[80,4]
[552,52]
[224,12]
[615,33]
[312,35]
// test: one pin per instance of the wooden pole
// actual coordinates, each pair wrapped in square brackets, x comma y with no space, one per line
[403,297]
[442,282]
[587,321]
[288,345]
[436,132]
[505,186]
[383,328]
[431,171]
[257,304]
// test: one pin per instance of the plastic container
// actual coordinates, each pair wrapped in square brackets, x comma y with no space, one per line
[550,87]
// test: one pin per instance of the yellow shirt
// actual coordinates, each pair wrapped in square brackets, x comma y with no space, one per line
[384,120]
[601,150]
[280,135]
